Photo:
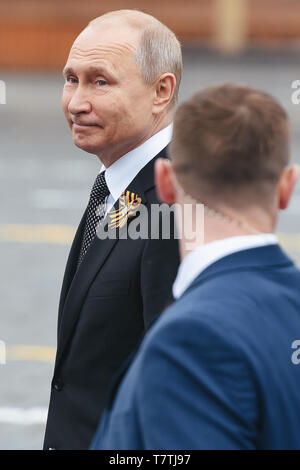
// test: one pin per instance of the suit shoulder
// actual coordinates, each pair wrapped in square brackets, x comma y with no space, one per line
[238,314]
[190,329]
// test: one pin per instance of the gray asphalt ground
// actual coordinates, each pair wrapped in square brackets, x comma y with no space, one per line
[45,180]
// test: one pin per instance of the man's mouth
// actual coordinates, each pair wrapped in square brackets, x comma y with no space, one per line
[83,125]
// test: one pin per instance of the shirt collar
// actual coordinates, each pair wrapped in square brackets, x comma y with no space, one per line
[205,255]
[120,174]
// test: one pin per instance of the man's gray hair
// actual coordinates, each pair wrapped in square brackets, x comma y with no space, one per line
[158,52]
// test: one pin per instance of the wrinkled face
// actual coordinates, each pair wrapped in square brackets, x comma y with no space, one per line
[106,102]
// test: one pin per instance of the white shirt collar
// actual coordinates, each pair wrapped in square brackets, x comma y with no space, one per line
[120,174]
[198,260]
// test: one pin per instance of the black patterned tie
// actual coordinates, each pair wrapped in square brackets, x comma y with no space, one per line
[95,213]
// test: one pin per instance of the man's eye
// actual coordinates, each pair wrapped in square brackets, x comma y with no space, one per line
[101,82]
[71,79]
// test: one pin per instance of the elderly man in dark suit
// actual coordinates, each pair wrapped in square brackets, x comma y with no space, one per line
[121,85]
[218,370]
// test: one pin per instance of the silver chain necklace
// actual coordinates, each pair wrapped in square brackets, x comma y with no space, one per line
[220,216]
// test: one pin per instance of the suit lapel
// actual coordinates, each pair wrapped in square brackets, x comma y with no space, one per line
[79,281]
[71,266]
[83,277]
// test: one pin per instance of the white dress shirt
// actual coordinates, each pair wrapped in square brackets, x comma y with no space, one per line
[120,174]
[198,260]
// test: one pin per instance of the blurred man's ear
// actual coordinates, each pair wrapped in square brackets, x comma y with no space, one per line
[164,92]
[287,183]
[164,180]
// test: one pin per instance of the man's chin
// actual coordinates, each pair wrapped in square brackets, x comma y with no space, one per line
[87,149]
[86,146]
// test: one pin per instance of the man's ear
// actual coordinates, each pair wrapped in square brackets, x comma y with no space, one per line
[164,92]
[164,180]
[287,183]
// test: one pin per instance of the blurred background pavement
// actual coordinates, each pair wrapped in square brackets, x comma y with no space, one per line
[45,180]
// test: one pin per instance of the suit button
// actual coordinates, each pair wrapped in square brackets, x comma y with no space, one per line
[51,448]
[57,385]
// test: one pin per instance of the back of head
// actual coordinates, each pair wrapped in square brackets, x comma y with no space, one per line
[158,50]
[230,145]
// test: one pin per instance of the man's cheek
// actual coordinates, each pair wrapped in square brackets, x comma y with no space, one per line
[64,102]
[66,112]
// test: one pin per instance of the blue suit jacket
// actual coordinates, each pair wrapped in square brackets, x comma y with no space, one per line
[215,370]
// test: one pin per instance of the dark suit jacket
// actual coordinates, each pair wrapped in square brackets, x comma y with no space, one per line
[105,307]
[216,371]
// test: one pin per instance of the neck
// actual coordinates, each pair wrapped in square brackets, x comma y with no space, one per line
[224,223]
[108,157]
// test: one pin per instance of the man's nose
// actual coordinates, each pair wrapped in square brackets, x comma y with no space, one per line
[79,102]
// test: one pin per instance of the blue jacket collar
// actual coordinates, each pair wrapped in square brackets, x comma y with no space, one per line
[263,257]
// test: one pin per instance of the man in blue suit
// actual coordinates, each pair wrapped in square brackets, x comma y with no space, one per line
[217,369]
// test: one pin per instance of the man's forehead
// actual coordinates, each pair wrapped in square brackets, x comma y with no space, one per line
[123,38]
[102,57]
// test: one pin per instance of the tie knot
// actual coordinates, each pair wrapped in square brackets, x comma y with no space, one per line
[100,189]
